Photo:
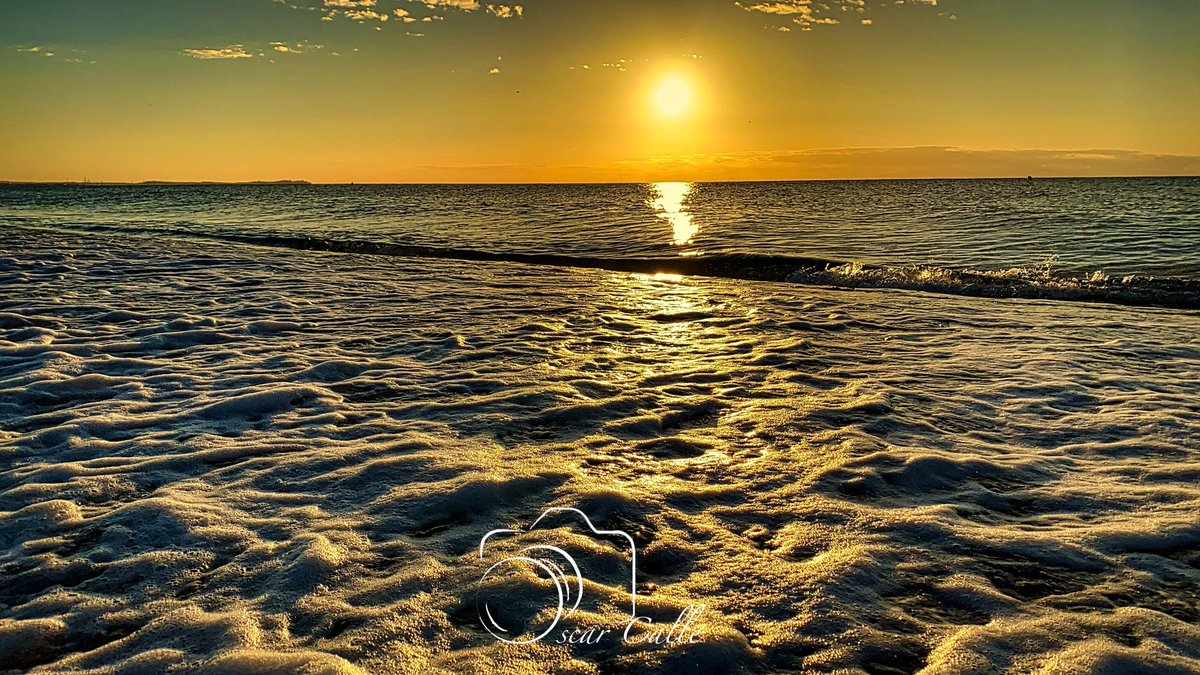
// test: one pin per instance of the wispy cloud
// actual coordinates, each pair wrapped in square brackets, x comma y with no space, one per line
[505,11]
[39,50]
[378,13]
[465,5]
[275,48]
[806,14]
[63,54]
[230,52]
[809,13]
[785,8]
[295,48]
[622,65]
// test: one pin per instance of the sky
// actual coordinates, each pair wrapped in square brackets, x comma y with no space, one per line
[596,90]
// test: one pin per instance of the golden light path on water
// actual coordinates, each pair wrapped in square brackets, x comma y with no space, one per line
[668,201]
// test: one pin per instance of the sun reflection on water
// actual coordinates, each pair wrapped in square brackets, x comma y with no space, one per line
[666,309]
[668,201]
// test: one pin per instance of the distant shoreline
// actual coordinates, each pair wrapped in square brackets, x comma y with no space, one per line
[151,183]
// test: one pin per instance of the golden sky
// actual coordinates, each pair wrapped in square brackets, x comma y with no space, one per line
[596,90]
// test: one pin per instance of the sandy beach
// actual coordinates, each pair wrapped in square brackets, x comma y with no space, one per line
[239,459]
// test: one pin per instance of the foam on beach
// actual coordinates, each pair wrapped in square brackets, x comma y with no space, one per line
[245,460]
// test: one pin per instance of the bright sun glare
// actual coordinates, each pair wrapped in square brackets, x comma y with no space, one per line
[673,97]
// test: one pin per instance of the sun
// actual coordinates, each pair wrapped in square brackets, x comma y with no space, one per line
[673,97]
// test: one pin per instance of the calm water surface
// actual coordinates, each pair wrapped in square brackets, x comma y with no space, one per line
[1145,226]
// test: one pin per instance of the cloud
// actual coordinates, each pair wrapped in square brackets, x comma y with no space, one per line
[465,5]
[506,11]
[370,11]
[296,48]
[785,8]
[66,54]
[230,52]
[622,65]
[493,71]
[807,13]
[364,15]
[241,51]
[37,49]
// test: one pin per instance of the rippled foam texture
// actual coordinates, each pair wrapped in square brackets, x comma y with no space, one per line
[244,460]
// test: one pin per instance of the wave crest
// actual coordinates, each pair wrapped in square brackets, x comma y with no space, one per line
[1034,282]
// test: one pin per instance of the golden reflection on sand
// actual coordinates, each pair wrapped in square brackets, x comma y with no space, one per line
[666,311]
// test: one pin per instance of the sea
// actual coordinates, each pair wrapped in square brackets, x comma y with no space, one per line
[880,427]
[1131,240]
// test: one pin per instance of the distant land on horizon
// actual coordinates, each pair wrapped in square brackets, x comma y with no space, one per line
[155,182]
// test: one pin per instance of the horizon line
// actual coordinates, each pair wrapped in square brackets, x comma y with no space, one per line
[303,182]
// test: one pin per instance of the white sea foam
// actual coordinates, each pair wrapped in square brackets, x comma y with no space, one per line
[236,460]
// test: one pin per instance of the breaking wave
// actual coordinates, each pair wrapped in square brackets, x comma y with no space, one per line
[1033,282]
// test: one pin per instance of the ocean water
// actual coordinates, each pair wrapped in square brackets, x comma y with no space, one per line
[1133,240]
[273,429]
